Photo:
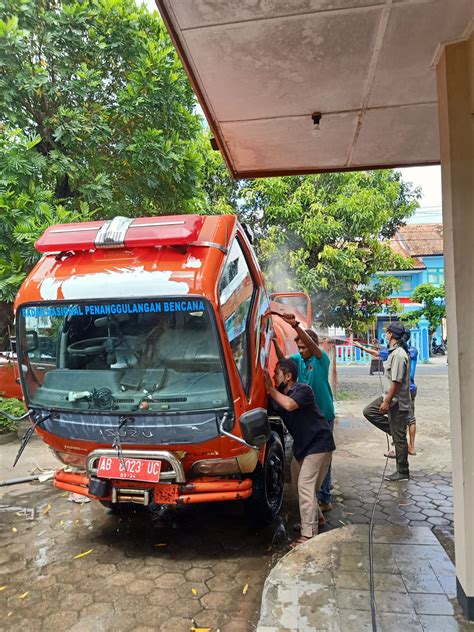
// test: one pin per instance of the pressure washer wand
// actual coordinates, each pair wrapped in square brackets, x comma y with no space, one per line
[17,481]
[27,436]
[42,478]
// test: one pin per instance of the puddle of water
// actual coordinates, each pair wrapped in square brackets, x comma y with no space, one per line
[27,512]
[345,423]
[42,558]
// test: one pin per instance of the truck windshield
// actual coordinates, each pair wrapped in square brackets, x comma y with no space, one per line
[143,355]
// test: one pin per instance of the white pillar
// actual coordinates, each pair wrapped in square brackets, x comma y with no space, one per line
[455,74]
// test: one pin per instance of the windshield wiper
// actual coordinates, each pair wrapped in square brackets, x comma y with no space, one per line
[29,433]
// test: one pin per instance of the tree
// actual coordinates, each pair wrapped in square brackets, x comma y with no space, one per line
[329,235]
[97,119]
[27,208]
[99,83]
[221,192]
[432,299]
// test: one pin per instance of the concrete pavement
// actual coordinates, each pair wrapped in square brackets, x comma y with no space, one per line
[324,584]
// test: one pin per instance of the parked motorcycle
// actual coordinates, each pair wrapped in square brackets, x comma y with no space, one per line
[436,348]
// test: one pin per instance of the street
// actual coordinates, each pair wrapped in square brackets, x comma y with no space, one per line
[438,366]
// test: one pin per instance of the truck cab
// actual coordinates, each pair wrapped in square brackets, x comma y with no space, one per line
[141,346]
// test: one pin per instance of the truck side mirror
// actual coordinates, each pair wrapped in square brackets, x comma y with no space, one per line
[255,427]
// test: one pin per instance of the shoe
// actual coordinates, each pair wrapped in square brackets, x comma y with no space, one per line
[396,476]
[325,506]
[301,540]
[390,454]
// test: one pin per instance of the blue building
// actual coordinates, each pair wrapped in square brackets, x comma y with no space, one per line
[423,243]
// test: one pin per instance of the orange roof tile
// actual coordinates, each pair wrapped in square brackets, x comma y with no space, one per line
[418,240]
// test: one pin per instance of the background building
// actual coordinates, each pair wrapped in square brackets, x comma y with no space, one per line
[423,243]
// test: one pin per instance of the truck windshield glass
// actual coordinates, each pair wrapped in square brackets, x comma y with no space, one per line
[141,355]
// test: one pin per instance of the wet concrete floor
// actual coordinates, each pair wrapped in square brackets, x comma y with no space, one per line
[65,566]
[324,584]
[82,568]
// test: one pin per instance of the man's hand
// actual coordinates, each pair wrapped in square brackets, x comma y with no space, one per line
[290,319]
[357,344]
[278,350]
[268,380]
[384,407]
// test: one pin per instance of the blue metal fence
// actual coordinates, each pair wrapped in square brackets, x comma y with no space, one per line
[348,354]
[419,338]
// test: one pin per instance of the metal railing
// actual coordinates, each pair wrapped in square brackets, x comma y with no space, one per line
[348,354]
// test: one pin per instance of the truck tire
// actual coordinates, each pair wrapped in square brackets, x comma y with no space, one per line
[268,483]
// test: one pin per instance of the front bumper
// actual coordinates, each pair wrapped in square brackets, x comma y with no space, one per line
[199,491]
[171,490]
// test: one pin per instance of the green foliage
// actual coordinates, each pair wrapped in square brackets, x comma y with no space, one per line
[99,86]
[27,207]
[327,234]
[221,191]
[432,299]
[14,407]
[394,307]
[97,119]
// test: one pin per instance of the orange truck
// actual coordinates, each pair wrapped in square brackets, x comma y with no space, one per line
[141,347]
[9,376]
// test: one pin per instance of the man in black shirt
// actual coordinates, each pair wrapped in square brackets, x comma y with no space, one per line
[313,441]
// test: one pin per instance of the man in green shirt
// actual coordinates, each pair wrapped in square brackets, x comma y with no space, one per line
[313,369]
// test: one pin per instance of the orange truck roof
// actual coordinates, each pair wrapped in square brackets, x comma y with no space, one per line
[175,255]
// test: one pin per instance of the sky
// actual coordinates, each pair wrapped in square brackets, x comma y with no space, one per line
[429,179]
[150,4]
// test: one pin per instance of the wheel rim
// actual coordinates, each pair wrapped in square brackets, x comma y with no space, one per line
[274,481]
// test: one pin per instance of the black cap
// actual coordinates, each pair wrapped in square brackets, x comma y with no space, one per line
[397,329]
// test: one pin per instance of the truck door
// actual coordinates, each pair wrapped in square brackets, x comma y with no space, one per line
[296,302]
[237,294]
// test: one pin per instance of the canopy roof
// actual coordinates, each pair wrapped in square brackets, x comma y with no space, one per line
[262,68]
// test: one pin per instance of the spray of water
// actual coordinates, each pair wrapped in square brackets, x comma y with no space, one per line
[278,274]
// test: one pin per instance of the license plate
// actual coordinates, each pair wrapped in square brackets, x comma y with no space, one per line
[129,469]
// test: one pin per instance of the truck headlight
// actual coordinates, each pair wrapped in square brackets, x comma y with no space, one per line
[213,467]
[74,460]
[243,464]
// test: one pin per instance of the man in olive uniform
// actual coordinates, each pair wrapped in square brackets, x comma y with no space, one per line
[390,411]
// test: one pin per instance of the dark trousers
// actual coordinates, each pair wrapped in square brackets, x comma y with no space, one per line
[394,424]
